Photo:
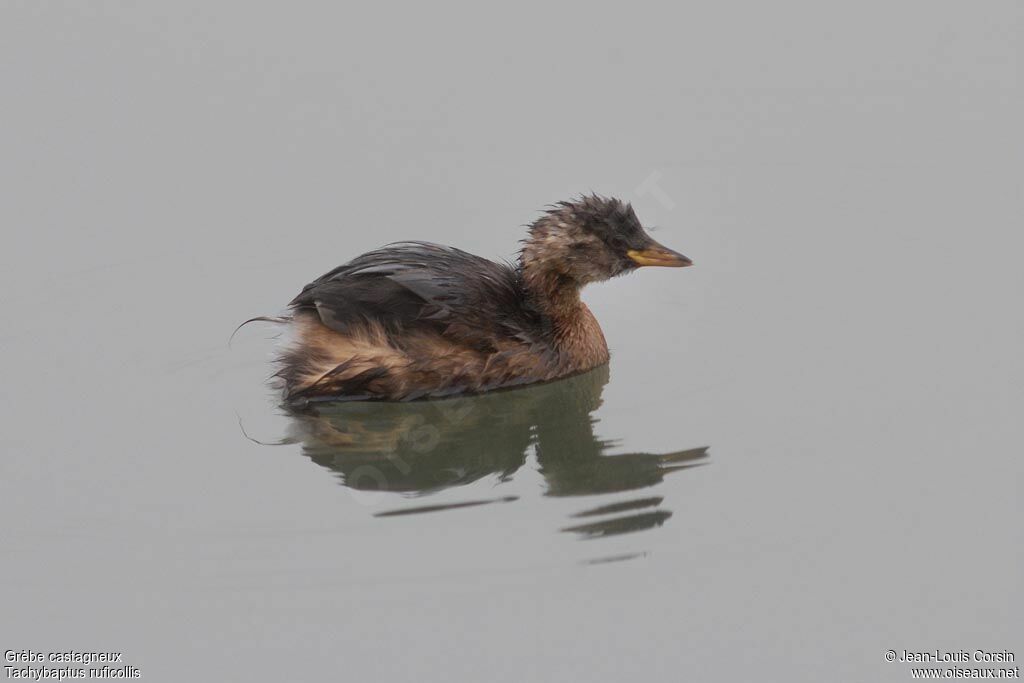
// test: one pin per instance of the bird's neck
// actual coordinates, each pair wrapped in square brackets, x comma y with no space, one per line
[574,329]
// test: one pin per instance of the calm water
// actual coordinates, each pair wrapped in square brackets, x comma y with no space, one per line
[427,447]
[806,450]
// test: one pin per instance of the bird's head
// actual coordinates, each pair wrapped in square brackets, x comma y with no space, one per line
[591,239]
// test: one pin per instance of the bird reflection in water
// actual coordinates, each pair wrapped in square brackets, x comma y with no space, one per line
[421,447]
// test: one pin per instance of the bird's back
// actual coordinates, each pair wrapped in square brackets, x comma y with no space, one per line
[415,319]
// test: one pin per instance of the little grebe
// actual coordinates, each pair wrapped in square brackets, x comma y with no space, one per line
[417,320]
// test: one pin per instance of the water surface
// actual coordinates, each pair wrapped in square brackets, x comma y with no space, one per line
[425,447]
[847,347]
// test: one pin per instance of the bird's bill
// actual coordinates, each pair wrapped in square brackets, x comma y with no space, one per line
[655,254]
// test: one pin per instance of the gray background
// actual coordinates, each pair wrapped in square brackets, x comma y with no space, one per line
[848,179]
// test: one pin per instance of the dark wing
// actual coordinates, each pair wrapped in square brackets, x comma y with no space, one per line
[417,286]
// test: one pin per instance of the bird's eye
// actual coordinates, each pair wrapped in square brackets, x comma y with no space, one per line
[618,242]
